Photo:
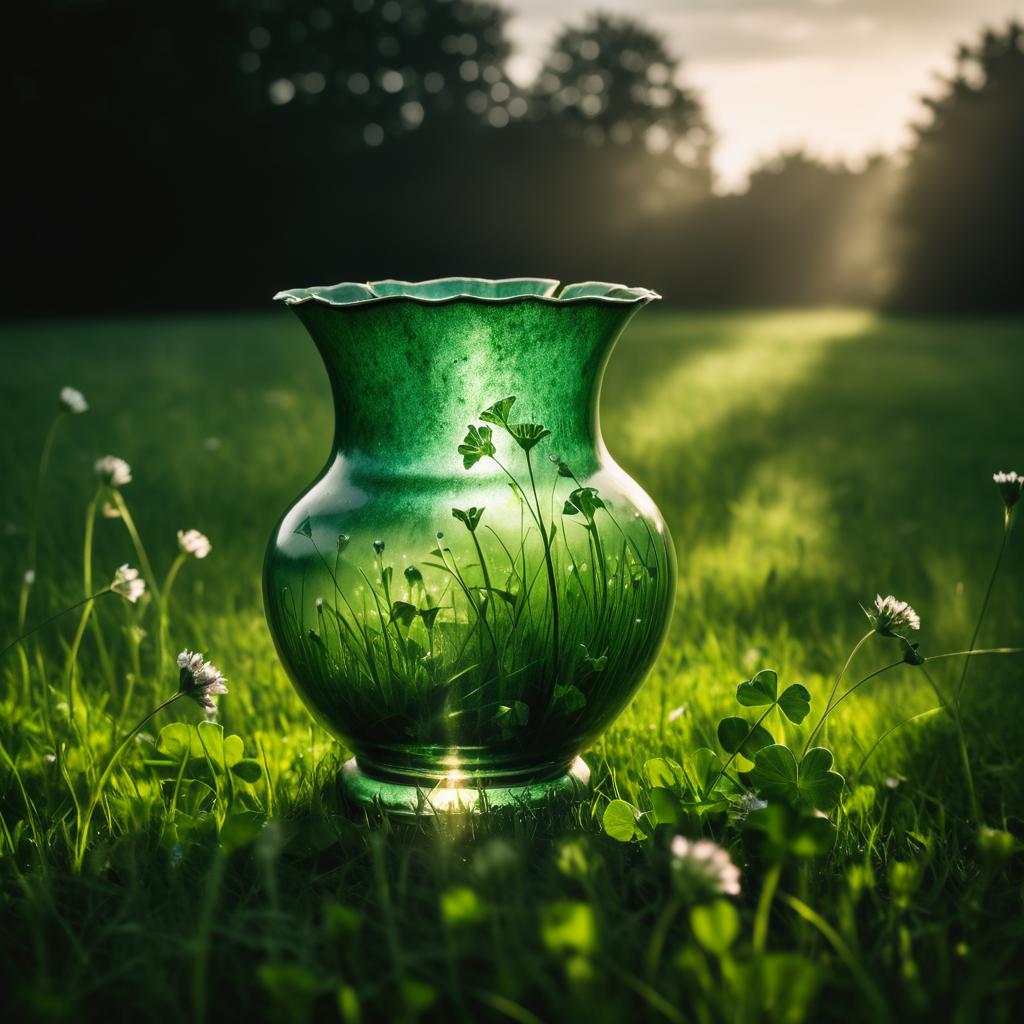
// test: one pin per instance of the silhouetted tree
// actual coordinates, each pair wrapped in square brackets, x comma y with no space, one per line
[962,212]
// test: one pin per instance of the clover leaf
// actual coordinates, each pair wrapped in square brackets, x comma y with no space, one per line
[428,615]
[528,434]
[760,691]
[470,516]
[585,500]
[737,736]
[763,691]
[403,612]
[568,698]
[498,413]
[620,820]
[664,773]
[778,776]
[594,664]
[475,445]
[819,785]
[795,703]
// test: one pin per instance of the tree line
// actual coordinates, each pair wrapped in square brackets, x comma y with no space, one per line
[203,153]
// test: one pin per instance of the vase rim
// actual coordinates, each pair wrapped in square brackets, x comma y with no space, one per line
[461,289]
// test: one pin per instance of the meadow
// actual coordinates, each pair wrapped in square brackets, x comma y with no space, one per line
[804,461]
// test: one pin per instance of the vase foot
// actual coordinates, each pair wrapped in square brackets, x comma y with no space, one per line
[458,795]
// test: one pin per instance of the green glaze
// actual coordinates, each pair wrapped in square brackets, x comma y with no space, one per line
[466,595]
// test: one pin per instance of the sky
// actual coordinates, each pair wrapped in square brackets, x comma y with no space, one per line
[841,77]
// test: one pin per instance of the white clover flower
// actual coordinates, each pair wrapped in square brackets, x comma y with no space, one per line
[200,680]
[73,401]
[1011,486]
[128,583]
[114,472]
[891,614]
[192,542]
[703,868]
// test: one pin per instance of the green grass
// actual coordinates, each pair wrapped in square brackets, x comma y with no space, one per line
[804,462]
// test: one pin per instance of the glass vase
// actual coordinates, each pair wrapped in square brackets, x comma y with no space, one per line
[471,590]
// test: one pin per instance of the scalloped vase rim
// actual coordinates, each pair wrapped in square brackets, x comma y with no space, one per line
[477,289]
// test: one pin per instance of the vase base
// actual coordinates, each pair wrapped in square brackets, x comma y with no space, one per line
[458,796]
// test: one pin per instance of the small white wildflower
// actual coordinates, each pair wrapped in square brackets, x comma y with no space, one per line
[128,583]
[194,543]
[30,577]
[200,680]
[114,472]
[891,781]
[891,614]
[1011,486]
[703,868]
[73,401]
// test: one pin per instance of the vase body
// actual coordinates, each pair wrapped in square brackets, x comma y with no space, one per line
[471,590]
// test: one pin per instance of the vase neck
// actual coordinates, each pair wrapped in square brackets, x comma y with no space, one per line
[409,377]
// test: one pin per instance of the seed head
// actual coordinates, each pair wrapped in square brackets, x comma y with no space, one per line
[114,472]
[703,868]
[891,614]
[192,542]
[73,401]
[200,680]
[1011,486]
[128,583]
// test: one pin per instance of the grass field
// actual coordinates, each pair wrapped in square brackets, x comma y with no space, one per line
[804,462]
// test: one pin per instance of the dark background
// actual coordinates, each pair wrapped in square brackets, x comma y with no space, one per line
[189,154]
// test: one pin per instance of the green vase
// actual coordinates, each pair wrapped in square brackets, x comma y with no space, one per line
[471,590]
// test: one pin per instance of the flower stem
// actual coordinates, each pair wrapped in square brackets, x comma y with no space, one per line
[33,526]
[856,686]
[552,586]
[835,686]
[87,545]
[70,608]
[732,756]
[82,839]
[1007,523]
[137,542]
[164,606]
